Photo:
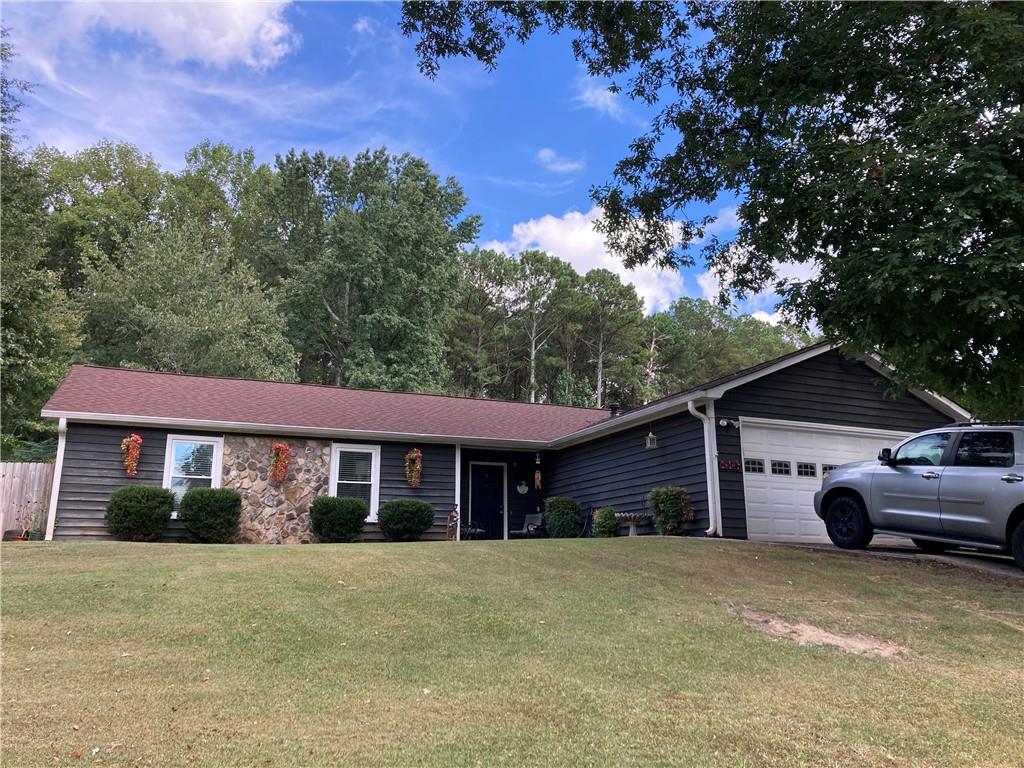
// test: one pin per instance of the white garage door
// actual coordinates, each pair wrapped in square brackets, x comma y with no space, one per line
[782,467]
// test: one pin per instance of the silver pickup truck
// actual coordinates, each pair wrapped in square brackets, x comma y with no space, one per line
[961,485]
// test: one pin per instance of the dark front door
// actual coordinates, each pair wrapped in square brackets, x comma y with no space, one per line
[487,499]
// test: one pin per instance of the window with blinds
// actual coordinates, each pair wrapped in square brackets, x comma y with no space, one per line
[356,473]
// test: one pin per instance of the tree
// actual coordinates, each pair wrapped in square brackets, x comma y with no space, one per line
[894,183]
[479,334]
[697,341]
[168,300]
[95,199]
[613,322]
[535,291]
[40,325]
[371,308]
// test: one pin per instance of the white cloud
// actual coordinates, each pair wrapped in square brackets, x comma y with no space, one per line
[255,34]
[555,163]
[365,26]
[595,95]
[772,319]
[572,237]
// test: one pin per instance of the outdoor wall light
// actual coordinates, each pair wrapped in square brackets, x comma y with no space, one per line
[651,440]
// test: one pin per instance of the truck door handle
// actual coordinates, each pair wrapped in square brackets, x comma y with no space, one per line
[1013,477]
[930,475]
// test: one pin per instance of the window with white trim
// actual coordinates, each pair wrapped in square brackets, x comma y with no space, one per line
[355,472]
[754,466]
[826,468]
[190,462]
[806,469]
[780,467]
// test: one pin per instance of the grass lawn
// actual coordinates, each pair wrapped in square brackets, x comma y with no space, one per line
[564,653]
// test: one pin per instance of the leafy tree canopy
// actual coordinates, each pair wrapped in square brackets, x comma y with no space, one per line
[880,146]
[168,301]
[39,324]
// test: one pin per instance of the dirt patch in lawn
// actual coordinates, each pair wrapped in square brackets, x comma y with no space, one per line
[808,634]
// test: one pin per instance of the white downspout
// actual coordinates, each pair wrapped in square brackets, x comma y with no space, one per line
[58,466]
[458,491]
[710,468]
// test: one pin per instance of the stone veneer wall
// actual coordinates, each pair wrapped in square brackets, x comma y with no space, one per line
[275,513]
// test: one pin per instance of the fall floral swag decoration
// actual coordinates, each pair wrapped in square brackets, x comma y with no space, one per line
[131,449]
[414,467]
[281,459]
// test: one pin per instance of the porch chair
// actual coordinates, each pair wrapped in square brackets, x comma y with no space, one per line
[533,528]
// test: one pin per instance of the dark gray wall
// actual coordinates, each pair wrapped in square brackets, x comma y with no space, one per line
[521,466]
[827,389]
[437,484]
[619,471]
[93,470]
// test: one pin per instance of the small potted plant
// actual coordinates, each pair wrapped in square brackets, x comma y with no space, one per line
[38,530]
[22,526]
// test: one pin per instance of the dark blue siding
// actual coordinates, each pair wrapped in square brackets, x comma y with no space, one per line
[618,470]
[437,485]
[93,470]
[827,389]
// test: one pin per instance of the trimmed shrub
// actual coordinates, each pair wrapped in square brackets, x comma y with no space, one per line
[405,519]
[605,522]
[211,515]
[139,512]
[338,519]
[672,509]
[563,518]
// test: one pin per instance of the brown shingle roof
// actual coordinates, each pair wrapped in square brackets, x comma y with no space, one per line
[145,396]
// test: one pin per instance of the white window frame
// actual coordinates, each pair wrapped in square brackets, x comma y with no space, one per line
[759,463]
[374,450]
[216,469]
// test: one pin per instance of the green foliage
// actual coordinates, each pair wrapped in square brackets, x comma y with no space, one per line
[339,519]
[405,519]
[177,303]
[139,512]
[39,325]
[605,523]
[96,199]
[880,199]
[672,509]
[563,517]
[366,307]
[211,515]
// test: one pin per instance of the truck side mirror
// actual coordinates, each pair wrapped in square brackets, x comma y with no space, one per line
[885,456]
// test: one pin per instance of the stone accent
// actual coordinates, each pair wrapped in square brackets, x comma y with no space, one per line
[275,513]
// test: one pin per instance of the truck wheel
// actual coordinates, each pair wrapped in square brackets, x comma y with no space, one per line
[932,547]
[1017,544]
[847,523]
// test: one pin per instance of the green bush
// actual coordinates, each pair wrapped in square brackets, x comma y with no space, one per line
[139,512]
[211,515]
[672,509]
[405,519]
[563,518]
[605,522]
[338,519]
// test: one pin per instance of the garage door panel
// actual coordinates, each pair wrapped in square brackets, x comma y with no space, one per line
[781,507]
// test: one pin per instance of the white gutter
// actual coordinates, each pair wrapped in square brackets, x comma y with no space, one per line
[710,465]
[58,466]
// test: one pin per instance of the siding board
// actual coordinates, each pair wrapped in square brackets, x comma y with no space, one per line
[618,470]
[827,389]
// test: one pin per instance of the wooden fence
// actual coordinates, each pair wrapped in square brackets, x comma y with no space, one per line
[24,494]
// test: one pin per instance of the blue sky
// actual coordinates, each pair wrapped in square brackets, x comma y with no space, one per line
[526,141]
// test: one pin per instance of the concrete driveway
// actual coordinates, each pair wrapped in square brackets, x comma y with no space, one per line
[987,562]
